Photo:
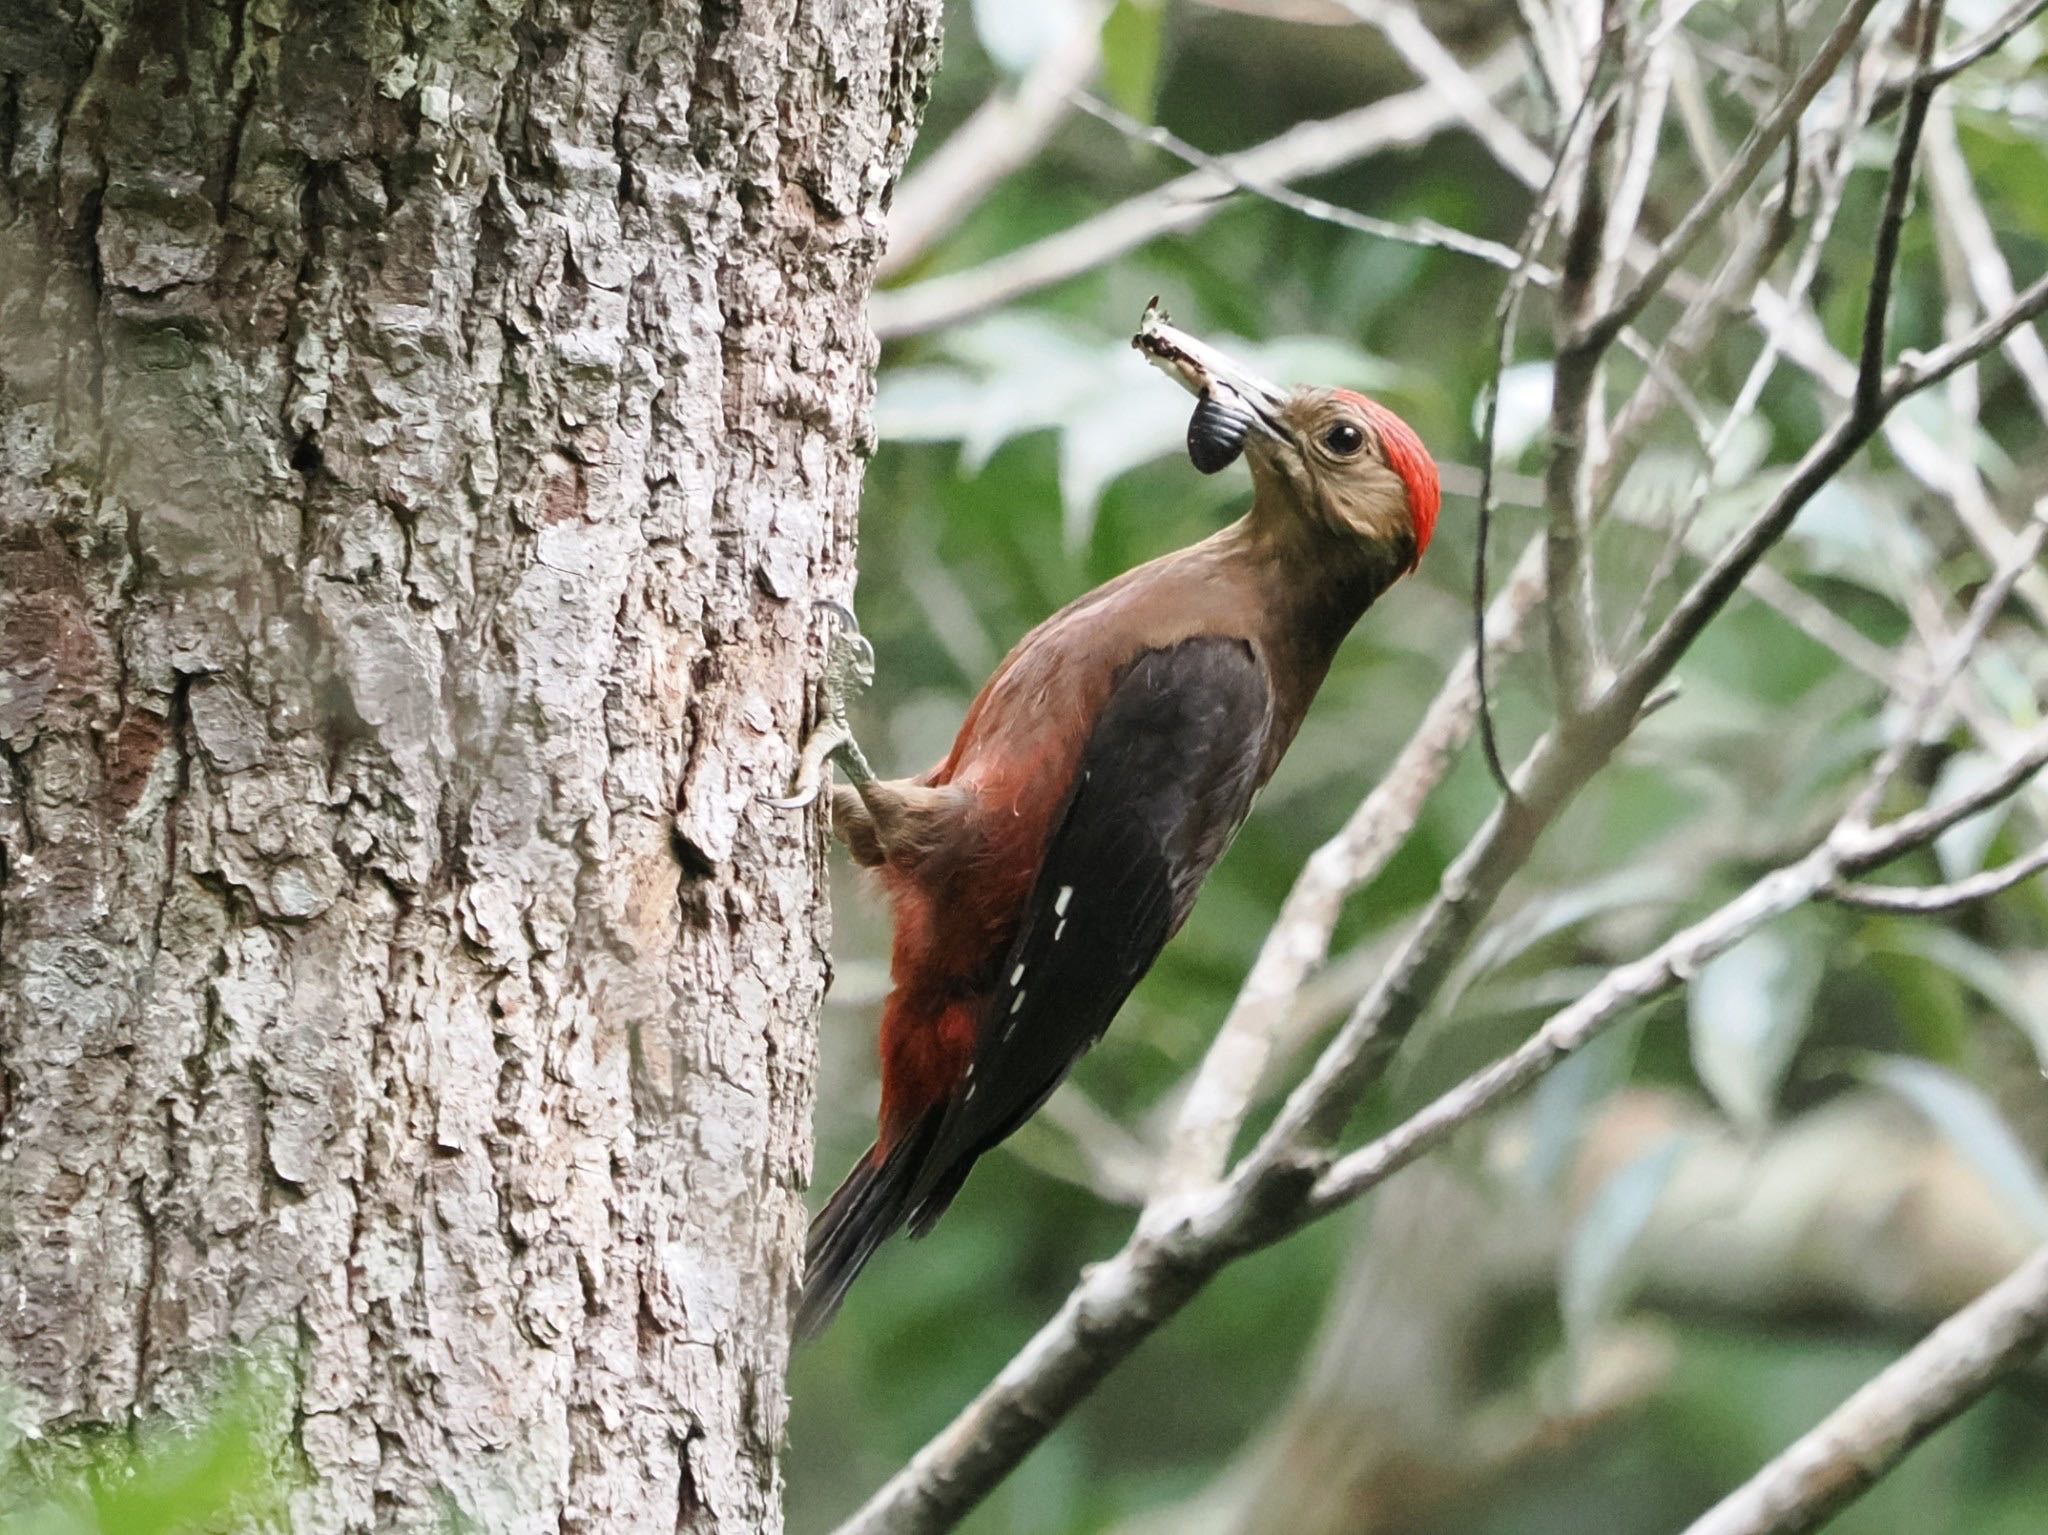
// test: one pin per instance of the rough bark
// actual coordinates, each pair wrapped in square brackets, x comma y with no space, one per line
[423,429]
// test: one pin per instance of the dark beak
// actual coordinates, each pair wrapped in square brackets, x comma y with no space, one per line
[1231,402]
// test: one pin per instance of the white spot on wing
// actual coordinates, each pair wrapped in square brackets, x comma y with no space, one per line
[1059,905]
[1016,975]
[1059,930]
[1017,1006]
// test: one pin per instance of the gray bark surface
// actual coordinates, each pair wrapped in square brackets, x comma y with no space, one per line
[423,430]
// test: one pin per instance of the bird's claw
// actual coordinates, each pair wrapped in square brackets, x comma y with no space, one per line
[849,668]
[848,660]
[830,736]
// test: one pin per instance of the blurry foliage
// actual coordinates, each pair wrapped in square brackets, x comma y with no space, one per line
[216,1471]
[1027,455]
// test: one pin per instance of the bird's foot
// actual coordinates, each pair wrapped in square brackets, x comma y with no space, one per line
[849,668]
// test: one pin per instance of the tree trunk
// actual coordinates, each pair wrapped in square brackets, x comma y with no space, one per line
[424,428]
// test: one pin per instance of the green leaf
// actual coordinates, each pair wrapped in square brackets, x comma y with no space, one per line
[1748,1010]
[1130,54]
[1598,1272]
[1989,975]
[1970,1122]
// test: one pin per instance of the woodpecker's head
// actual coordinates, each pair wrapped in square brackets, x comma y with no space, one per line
[1336,459]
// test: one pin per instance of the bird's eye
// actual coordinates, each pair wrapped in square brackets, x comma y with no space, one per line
[1343,439]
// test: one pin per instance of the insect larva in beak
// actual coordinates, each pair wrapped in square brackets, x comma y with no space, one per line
[1216,431]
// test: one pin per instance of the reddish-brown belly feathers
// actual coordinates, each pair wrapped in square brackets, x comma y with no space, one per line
[955,916]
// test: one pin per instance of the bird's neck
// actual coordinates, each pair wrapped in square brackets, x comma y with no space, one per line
[1308,586]
[1316,580]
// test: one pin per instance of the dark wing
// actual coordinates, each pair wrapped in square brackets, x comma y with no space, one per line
[1165,781]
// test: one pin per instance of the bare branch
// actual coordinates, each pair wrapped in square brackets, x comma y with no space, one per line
[1942,675]
[1870,1433]
[1793,326]
[1424,233]
[1507,321]
[1924,900]
[1835,448]
[1916,371]
[1669,965]
[1964,220]
[1884,264]
[1994,37]
[1763,140]
[1575,420]
[1921,827]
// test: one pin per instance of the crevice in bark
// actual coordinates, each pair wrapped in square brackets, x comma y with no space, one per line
[145,1298]
[244,105]
[10,122]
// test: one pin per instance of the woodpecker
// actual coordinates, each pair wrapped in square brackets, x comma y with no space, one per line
[1036,872]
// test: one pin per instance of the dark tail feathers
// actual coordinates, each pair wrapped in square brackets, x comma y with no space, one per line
[862,1213]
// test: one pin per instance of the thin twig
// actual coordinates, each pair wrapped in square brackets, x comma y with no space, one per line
[1436,66]
[1425,234]
[1576,419]
[1924,900]
[1884,263]
[1507,317]
[1756,150]
[1942,674]
[1185,203]
[1963,218]
[1994,37]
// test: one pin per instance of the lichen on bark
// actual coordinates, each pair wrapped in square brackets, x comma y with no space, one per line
[423,430]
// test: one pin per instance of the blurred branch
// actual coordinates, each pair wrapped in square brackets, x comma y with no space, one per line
[1877,306]
[1507,316]
[1437,67]
[1185,203]
[1577,418]
[1963,219]
[1002,135]
[1870,1433]
[1762,142]
[1994,37]
[1426,234]
[1820,464]
[1943,673]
